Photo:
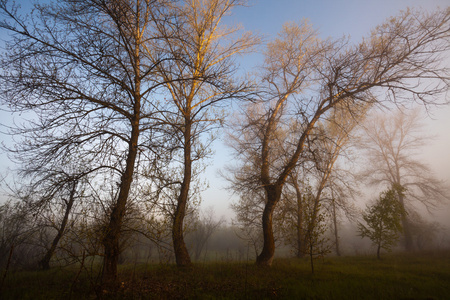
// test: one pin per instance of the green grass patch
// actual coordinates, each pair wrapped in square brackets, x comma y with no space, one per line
[398,276]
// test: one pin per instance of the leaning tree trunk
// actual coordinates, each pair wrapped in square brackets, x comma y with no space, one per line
[182,257]
[45,261]
[112,234]
[111,239]
[265,258]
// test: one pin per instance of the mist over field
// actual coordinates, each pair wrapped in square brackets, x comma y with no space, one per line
[224,149]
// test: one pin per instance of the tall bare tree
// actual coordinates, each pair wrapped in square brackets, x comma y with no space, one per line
[304,78]
[391,143]
[86,71]
[198,81]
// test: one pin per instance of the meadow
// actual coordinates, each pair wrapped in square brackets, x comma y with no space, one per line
[396,276]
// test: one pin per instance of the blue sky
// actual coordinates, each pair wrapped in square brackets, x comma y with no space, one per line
[333,18]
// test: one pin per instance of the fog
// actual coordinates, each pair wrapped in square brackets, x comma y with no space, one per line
[225,241]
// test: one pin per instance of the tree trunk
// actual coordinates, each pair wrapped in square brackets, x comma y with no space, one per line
[112,234]
[111,238]
[182,257]
[336,234]
[300,237]
[301,244]
[408,243]
[378,251]
[45,262]
[265,258]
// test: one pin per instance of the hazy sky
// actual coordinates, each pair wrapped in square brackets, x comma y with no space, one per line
[335,18]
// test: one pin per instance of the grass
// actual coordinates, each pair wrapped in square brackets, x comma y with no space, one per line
[425,276]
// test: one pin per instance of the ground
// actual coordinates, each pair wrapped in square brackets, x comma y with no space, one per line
[397,276]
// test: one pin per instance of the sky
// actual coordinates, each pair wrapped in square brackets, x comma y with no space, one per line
[332,18]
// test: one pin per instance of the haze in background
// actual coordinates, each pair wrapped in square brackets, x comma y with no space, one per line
[348,18]
[351,18]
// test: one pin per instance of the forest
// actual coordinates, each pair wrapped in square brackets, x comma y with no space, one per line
[121,102]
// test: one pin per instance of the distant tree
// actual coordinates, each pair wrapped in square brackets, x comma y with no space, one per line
[383,220]
[48,199]
[61,226]
[303,79]
[425,232]
[391,143]
[13,230]
[202,229]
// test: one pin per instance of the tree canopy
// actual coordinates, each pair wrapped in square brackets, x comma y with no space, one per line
[383,220]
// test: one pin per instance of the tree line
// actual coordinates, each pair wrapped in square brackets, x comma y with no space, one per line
[124,98]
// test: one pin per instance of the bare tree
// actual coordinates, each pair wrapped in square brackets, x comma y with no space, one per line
[304,78]
[48,193]
[391,143]
[86,70]
[198,81]
[318,187]
[13,230]
[202,228]
[68,194]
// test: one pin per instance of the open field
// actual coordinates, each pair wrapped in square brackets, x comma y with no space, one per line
[398,276]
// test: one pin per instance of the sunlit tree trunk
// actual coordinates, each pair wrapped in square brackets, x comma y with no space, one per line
[199,78]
